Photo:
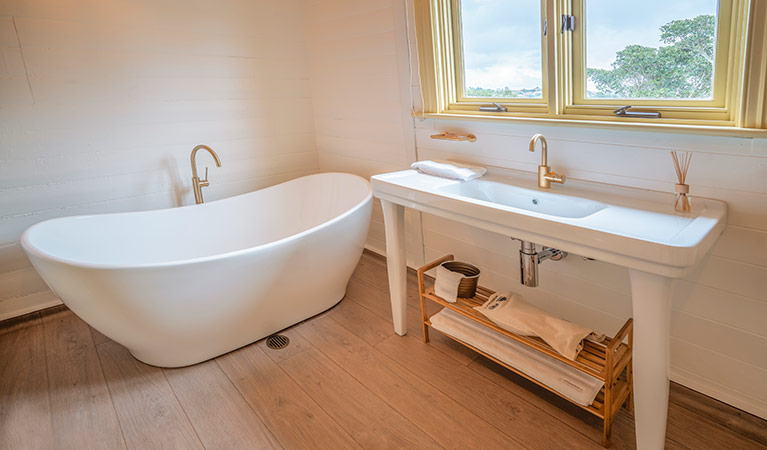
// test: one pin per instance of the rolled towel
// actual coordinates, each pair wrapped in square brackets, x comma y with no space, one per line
[446,284]
[511,312]
[447,169]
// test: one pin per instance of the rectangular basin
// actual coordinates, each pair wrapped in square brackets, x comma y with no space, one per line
[529,200]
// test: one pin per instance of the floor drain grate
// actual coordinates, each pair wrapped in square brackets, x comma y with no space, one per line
[277,341]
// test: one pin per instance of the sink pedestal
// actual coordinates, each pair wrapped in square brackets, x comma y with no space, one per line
[651,305]
[396,266]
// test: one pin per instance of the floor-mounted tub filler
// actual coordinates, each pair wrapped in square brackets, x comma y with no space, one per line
[180,286]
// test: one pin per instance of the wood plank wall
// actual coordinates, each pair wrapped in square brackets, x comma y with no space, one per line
[101,103]
[719,329]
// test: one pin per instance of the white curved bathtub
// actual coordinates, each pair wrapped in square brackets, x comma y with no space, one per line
[180,286]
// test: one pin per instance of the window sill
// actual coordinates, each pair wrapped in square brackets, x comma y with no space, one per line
[614,125]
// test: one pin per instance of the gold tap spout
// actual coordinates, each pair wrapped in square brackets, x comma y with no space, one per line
[544,147]
[545,176]
[197,183]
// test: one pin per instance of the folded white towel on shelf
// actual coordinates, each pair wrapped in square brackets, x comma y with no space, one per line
[446,284]
[448,169]
[568,381]
[511,312]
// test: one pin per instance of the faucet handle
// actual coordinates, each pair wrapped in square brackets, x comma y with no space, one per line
[555,177]
[204,182]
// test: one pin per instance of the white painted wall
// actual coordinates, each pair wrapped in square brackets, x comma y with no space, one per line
[719,324]
[102,102]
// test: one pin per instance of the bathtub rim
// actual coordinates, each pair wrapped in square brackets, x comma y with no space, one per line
[34,250]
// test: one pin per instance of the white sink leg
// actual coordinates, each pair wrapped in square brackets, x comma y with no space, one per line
[394,223]
[651,299]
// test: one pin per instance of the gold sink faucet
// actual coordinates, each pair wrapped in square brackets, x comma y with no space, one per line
[197,183]
[545,177]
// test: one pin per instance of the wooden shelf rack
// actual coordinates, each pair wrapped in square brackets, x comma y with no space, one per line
[609,361]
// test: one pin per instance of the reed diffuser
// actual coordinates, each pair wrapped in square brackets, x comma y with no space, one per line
[682,165]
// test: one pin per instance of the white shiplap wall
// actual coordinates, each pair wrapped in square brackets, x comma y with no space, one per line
[356,61]
[719,323]
[102,102]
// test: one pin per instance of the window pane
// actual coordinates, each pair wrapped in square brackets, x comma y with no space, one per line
[650,49]
[502,48]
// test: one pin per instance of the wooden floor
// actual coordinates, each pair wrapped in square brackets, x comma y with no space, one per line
[345,381]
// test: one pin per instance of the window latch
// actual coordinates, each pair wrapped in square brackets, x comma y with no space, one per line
[623,111]
[568,23]
[495,108]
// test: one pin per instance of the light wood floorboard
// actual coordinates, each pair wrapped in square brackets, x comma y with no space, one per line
[346,381]
[565,412]
[367,418]
[486,399]
[81,406]
[296,420]
[222,418]
[444,419]
[365,294]
[25,409]
[364,323]
[150,415]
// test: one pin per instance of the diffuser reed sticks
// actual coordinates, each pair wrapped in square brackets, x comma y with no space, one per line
[682,165]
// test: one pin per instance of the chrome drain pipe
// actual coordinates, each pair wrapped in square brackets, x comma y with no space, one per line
[529,260]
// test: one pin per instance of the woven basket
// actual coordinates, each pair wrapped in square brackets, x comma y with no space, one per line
[468,286]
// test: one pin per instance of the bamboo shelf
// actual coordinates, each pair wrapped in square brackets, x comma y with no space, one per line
[609,361]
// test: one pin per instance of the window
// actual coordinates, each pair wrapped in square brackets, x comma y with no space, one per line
[499,60]
[681,62]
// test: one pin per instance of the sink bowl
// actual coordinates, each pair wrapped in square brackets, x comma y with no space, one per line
[529,200]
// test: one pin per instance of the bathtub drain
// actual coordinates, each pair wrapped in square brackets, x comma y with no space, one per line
[277,341]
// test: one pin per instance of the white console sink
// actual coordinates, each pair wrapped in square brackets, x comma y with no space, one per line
[633,228]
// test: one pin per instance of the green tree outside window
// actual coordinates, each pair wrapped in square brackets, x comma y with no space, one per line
[681,69]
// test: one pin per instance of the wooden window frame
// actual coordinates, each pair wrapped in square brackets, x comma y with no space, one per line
[738,106]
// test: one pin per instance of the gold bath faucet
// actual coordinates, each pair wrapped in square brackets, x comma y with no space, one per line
[197,183]
[545,176]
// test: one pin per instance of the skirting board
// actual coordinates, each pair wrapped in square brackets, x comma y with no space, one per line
[376,246]
[379,248]
[18,306]
[719,392]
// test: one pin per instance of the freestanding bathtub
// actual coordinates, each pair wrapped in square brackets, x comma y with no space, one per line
[182,285]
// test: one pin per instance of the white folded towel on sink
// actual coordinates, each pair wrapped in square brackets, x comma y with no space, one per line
[448,169]
[511,312]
